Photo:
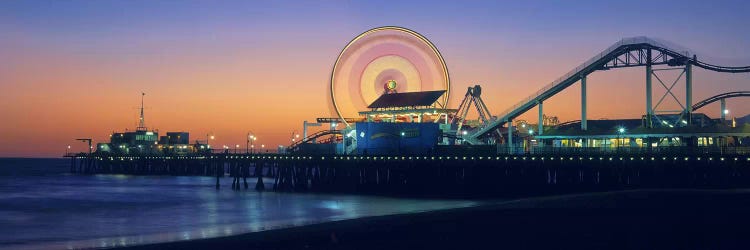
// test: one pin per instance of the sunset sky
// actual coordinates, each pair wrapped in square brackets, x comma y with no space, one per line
[73,69]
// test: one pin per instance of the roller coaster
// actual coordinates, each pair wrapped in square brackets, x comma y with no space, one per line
[328,135]
[628,52]
[720,97]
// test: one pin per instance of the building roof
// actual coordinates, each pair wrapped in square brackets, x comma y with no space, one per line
[598,126]
[407,99]
[408,111]
[635,128]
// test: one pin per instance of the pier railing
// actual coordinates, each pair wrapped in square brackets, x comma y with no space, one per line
[478,151]
[676,150]
[466,175]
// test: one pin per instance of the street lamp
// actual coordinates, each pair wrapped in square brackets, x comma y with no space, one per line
[620,131]
[250,137]
[250,141]
[262,147]
[236,147]
[209,136]
[67,149]
[294,136]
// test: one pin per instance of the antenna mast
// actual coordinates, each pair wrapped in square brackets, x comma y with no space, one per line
[141,122]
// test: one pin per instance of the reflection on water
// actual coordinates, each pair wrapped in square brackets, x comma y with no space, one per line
[42,206]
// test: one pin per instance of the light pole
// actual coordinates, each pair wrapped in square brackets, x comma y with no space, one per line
[527,143]
[295,136]
[209,136]
[236,147]
[402,135]
[67,149]
[86,140]
[262,147]
[250,141]
[620,141]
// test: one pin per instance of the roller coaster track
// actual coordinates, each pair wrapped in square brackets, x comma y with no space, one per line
[719,97]
[567,123]
[628,52]
[717,68]
[312,137]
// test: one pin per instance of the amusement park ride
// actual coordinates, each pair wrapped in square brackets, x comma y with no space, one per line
[390,89]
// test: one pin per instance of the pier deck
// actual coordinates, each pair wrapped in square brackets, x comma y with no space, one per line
[461,176]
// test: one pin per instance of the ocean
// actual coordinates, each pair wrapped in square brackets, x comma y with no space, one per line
[42,205]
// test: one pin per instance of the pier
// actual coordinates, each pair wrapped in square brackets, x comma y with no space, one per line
[454,176]
[409,141]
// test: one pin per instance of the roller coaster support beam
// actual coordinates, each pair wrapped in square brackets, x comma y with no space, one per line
[723,109]
[510,136]
[649,106]
[305,124]
[583,103]
[689,92]
[540,126]
[304,130]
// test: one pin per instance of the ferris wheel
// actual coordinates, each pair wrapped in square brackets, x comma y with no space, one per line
[385,60]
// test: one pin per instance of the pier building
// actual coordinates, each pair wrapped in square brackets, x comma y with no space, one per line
[143,141]
[704,134]
[410,122]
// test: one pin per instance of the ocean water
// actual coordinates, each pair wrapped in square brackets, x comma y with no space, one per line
[43,206]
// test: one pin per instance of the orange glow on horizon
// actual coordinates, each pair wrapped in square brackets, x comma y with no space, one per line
[50,96]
